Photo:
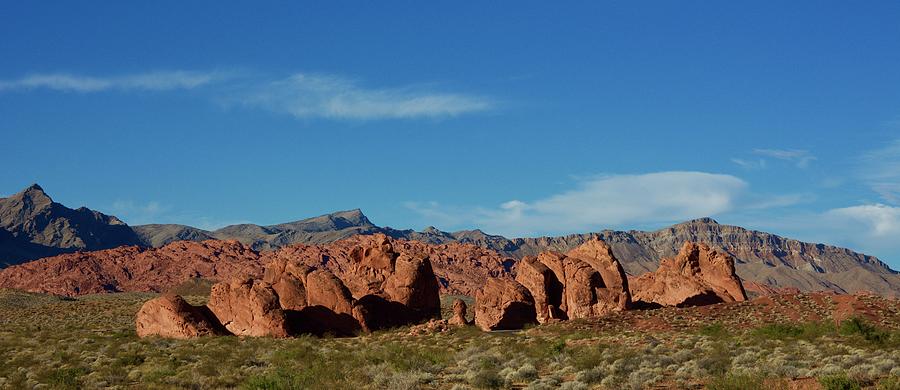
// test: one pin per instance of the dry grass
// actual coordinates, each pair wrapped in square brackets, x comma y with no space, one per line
[90,343]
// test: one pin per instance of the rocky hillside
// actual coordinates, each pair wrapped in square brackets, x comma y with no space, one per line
[460,268]
[318,230]
[35,226]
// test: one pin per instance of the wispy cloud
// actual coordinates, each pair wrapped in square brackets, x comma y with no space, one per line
[801,158]
[601,202]
[151,81]
[750,164]
[329,96]
[876,220]
[881,171]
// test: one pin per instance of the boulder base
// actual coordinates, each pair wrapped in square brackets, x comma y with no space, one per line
[172,317]
[504,304]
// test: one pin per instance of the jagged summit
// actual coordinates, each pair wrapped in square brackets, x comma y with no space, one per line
[41,226]
[704,220]
[34,187]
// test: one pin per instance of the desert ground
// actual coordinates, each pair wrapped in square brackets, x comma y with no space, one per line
[807,341]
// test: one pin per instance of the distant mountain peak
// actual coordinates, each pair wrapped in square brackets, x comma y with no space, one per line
[34,191]
[354,216]
[704,220]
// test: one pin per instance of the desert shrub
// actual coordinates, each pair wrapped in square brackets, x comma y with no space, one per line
[65,378]
[278,380]
[573,385]
[733,381]
[588,357]
[778,331]
[715,329]
[839,382]
[889,383]
[486,378]
[717,361]
[591,375]
[869,332]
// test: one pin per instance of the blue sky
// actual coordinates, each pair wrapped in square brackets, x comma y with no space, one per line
[519,118]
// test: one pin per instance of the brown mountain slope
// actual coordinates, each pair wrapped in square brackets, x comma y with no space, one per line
[42,227]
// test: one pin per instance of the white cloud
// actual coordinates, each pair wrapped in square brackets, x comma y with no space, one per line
[151,81]
[602,202]
[325,96]
[801,158]
[874,221]
[881,171]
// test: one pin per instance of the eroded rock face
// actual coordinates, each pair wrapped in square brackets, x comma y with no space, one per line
[504,304]
[698,275]
[248,307]
[586,282]
[171,316]
[459,313]
[134,269]
[390,282]
[545,287]
[615,294]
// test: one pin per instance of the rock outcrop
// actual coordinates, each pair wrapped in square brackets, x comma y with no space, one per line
[171,316]
[698,275]
[133,268]
[390,281]
[504,304]
[376,287]
[459,313]
[586,282]
[544,286]
[248,308]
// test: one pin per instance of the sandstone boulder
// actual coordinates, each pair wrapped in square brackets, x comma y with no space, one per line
[545,287]
[503,304]
[698,275]
[171,316]
[614,295]
[329,307]
[586,282]
[459,313]
[248,307]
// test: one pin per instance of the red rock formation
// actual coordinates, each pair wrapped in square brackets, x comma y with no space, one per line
[586,282]
[171,317]
[545,287]
[503,304]
[698,275]
[614,295]
[133,269]
[460,268]
[392,281]
[248,307]
[459,313]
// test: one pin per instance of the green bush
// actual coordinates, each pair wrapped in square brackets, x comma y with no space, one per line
[736,382]
[715,329]
[839,382]
[808,331]
[871,333]
[889,383]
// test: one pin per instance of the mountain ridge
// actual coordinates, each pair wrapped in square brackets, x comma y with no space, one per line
[764,258]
